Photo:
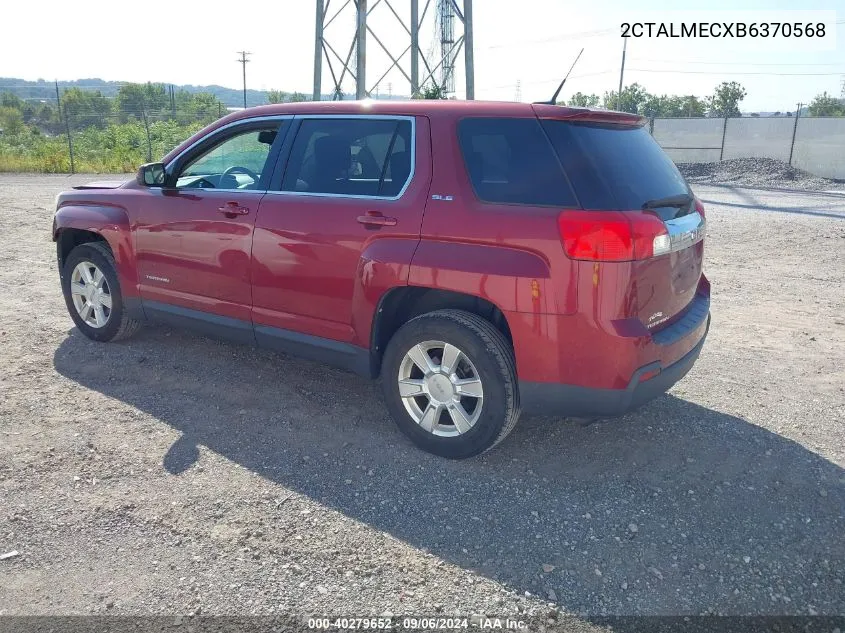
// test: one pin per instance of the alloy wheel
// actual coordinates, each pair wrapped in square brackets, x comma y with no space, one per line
[440,388]
[90,293]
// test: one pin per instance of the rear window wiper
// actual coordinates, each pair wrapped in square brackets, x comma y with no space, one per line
[679,201]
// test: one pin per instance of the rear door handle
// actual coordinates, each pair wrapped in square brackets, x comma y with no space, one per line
[374,218]
[233,209]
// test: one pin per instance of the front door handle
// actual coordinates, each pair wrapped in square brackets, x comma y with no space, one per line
[375,218]
[232,209]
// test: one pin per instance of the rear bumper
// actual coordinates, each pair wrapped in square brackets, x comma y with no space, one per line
[543,398]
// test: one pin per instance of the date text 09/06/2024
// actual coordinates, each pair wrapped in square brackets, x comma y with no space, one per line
[415,623]
[723,29]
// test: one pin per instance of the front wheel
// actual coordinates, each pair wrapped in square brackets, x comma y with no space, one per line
[449,382]
[92,294]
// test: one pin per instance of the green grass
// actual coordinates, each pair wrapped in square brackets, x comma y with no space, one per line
[116,148]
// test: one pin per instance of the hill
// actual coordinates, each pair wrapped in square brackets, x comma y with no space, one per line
[46,90]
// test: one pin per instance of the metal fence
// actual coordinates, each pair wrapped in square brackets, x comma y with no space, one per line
[120,142]
[814,144]
[73,142]
[92,142]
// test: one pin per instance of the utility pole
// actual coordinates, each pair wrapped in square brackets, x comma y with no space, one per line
[794,130]
[243,62]
[621,71]
[67,127]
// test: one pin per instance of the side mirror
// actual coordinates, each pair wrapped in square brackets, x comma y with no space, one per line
[151,175]
[267,136]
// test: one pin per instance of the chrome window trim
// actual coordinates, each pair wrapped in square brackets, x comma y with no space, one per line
[215,190]
[383,117]
[217,132]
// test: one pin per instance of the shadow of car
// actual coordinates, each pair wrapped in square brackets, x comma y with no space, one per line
[675,508]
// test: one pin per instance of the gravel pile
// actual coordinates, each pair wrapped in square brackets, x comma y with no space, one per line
[756,172]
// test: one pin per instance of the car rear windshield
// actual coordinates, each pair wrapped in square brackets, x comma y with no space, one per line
[614,166]
[510,161]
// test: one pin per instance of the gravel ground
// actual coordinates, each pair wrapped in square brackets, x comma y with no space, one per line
[173,474]
[757,172]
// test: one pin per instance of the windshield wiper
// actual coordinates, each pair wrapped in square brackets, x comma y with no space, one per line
[679,202]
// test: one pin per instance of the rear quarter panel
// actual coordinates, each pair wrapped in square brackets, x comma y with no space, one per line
[510,255]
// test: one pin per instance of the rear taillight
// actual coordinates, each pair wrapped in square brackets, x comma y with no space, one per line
[613,236]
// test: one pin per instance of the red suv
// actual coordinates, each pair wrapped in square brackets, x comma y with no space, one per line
[484,259]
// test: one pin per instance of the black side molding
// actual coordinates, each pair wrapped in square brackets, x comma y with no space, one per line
[202,322]
[342,355]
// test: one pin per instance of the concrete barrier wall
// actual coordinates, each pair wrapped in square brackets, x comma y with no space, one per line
[819,146]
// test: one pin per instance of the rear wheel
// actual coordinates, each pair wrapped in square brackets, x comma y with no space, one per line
[449,381]
[92,294]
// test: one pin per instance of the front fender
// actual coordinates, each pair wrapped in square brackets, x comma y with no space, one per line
[112,223]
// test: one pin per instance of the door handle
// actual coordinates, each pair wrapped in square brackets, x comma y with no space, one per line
[233,209]
[374,218]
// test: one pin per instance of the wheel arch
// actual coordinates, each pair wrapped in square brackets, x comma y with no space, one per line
[400,304]
[69,238]
[78,224]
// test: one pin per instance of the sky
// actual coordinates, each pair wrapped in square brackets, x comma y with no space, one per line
[522,49]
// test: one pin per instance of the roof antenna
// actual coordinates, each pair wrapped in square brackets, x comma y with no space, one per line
[553,100]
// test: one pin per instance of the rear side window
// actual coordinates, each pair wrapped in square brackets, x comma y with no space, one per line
[613,166]
[350,157]
[510,161]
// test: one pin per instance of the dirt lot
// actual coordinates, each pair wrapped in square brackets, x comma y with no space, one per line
[176,474]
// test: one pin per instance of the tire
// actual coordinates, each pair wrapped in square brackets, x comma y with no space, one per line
[118,324]
[485,355]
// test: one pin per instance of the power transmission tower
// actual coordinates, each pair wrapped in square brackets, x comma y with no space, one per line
[349,36]
[842,92]
[518,94]
[446,15]
[243,61]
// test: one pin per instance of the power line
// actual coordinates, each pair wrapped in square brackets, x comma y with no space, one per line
[690,61]
[557,38]
[718,72]
[546,82]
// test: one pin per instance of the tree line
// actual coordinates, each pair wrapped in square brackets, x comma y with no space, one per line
[724,102]
[91,108]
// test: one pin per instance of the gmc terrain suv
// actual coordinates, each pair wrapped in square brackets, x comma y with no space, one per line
[483,259]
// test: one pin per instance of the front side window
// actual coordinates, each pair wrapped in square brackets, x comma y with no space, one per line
[351,157]
[510,161]
[237,162]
